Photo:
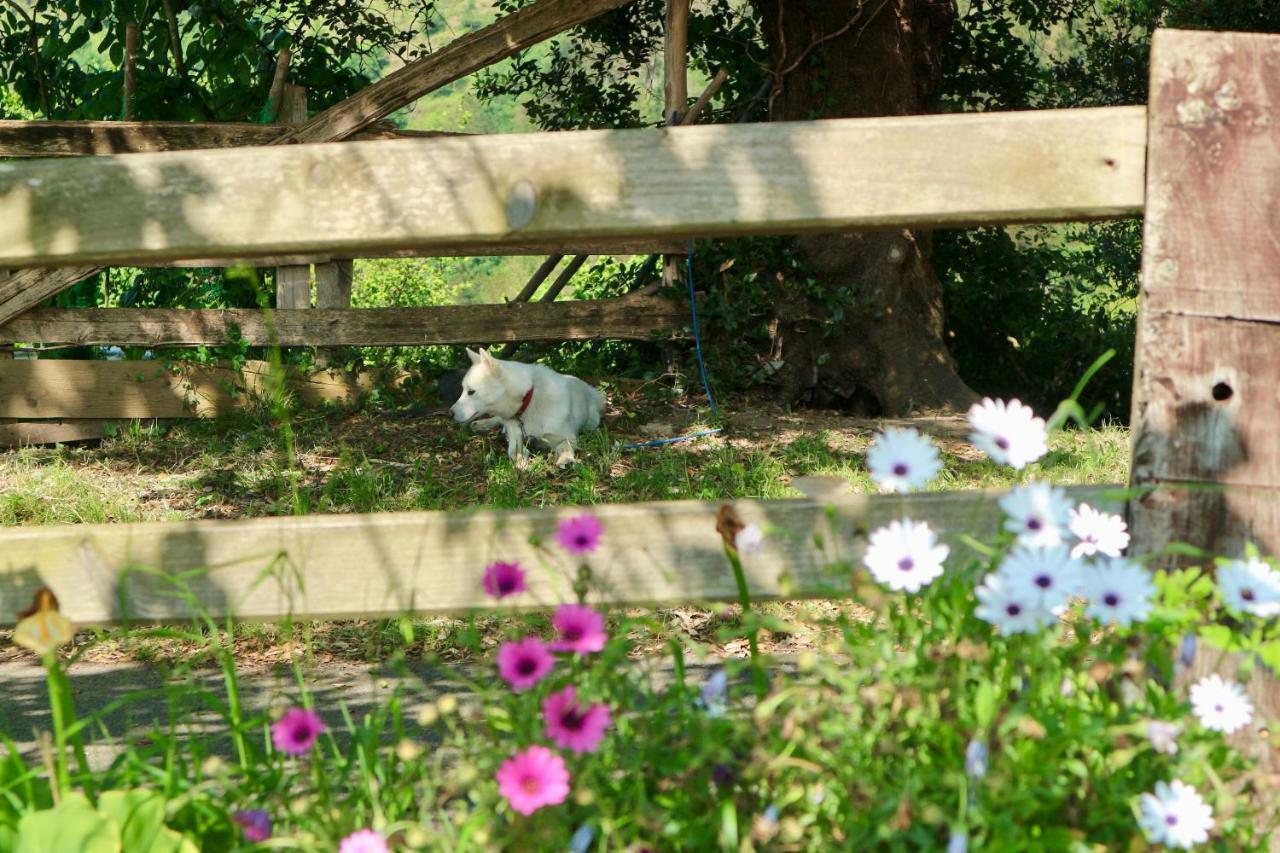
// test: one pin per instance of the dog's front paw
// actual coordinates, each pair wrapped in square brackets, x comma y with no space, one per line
[521,461]
[486,424]
[565,458]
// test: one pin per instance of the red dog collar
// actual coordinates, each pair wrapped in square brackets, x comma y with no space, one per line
[524,404]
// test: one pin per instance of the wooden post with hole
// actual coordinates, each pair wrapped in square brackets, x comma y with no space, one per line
[1207,368]
[293,283]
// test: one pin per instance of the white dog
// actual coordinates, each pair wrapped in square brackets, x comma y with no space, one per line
[527,401]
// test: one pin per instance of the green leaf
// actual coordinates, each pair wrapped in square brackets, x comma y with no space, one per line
[73,824]
[1270,655]
[728,826]
[984,705]
[1217,636]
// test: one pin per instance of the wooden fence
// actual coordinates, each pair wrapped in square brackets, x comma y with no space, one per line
[359,117]
[1207,354]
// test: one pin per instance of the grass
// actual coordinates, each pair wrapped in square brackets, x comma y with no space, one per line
[373,461]
[369,461]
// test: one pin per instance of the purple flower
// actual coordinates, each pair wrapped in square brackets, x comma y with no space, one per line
[255,823]
[503,579]
[296,732]
[523,664]
[580,534]
[572,725]
[578,629]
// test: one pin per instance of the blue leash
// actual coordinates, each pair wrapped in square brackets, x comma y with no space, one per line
[702,369]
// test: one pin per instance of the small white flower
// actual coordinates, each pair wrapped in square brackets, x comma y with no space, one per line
[749,540]
[1119,592]
[1010,433]
[1176,816]
[1011,612]
[1163,736]
[975,759]
[715,693]
[1097,532]
[1048,576]
[1037,513]
[1220,706]
[901,460]
[905,555]
[1250,586]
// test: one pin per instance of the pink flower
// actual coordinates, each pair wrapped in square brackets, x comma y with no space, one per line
[532,779]
[364,841]
[523,664]
[573,726]
[580,534]
[578,629]
[255,823]
[296,732]
[503,579]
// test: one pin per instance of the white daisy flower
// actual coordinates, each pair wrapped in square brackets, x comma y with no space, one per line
[1048,576]
[749,540]
[1250,586]
[902,460]
[905,555]
[1220,706]
[1163,736]
[1037,513]
[1176,816]
[1012,612]
[1097,532]
[1119,592]
[1010,433]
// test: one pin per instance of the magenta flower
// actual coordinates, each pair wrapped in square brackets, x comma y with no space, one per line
[296,732]
[578,629]
[580,534]
[503,579]
[532,779]
[571,725]
[255,823]
[523,664]
[364,841]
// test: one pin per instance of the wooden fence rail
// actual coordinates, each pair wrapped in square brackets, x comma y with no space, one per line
[337,566]
[625,318]
[549,188]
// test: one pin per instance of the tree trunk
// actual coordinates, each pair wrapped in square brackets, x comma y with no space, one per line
[885,355]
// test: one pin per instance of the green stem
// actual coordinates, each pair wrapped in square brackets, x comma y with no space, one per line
[56,709]
[744,598]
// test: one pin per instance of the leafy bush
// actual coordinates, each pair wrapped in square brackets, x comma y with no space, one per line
[1029,308]
[404,283]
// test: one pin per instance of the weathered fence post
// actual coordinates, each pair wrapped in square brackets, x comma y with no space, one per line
[333,290]
[676,96]
[293,283]
[1206,397]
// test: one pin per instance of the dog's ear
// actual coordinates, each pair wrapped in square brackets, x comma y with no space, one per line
[473,355]
[487,359]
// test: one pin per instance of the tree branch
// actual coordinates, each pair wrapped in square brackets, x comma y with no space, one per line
[175,39]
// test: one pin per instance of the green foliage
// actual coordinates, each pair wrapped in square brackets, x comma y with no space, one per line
[65,58]
[1030,308]
[920,722]
[404,283]
[122,820]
